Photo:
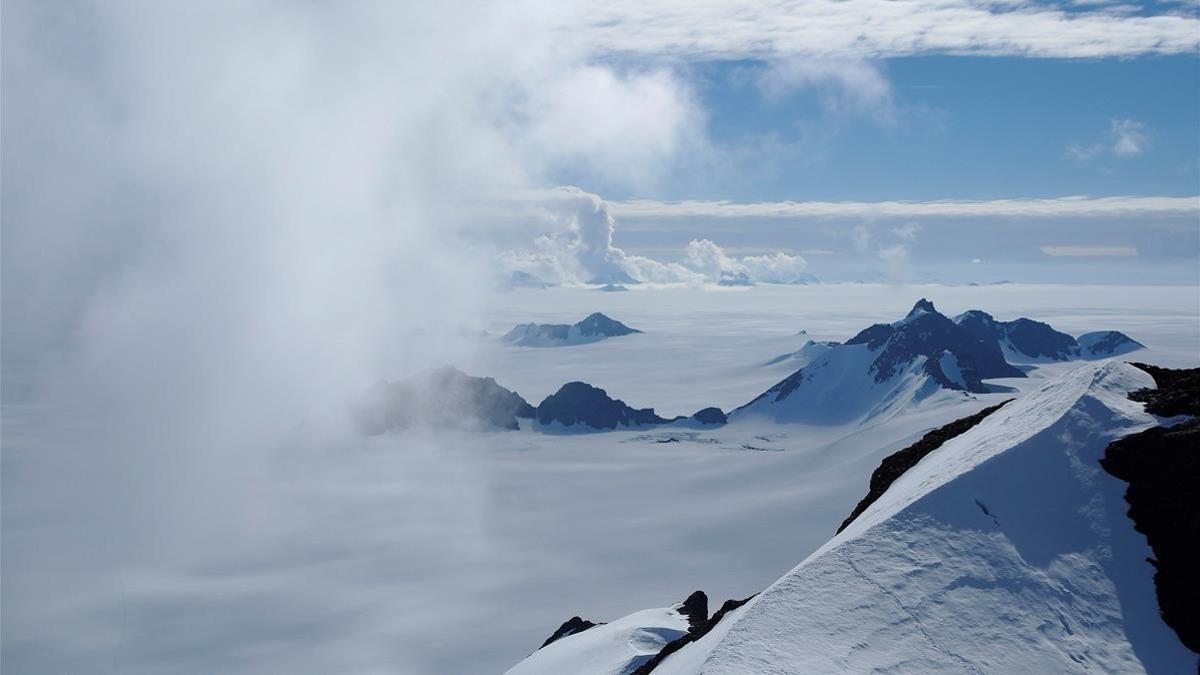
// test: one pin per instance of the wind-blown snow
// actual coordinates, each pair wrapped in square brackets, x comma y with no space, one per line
[1005,550]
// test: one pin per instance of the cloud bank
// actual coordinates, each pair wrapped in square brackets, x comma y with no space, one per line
[581,251]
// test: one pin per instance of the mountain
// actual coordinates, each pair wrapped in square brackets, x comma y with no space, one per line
[1025,340]
[1004,547]
[612,288]
[1103,344]
[442,397]
[592,329]
[883,368]
[581,407]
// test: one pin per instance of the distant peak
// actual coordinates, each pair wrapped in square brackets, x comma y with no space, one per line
[923,306]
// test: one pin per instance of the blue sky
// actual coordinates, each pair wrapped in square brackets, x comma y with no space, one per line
[955,128]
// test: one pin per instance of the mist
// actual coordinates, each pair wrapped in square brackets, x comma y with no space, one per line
[222,223]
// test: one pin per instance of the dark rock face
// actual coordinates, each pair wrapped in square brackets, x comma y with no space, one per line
[581,403]
[695,608]
[1038,339]
[1031,338]
[895,464]
[444,397]
[710,416]
[697,631]
[598,324]
[1178,391]
[595,326]
[926,332]
[1162,467]
[570,627]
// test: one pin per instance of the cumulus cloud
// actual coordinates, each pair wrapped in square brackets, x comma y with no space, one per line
[1125,138]
[581,251]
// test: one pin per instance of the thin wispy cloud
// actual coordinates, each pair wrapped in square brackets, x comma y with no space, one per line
[874,29]
[1125,138]
[1060,206]
[1085,251]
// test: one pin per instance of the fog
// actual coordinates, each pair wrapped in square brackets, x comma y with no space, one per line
[221,223]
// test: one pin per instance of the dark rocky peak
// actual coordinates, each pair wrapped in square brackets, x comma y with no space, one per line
[581,403]
[926,332]
[599,324]
[695,608]
[923,306]
[571,626]
[710,416]
[1177,392]
[980,324]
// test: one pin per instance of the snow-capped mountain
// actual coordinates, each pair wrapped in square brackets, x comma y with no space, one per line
[591,329]
[883,368]
[442,397]
[1007,548]
[1027,341]
[579,406]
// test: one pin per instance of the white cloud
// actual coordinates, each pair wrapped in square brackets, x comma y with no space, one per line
[1086,251]
[581,251]
[853,85]
[1125,138]
[867,29]
[1131,137]
[1061,206]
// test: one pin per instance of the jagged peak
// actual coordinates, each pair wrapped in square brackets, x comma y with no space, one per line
[923,306]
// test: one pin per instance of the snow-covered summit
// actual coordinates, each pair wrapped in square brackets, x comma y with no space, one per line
[1006,549]
[882,369]
[591,329]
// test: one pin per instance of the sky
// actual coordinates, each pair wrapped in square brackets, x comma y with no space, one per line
[221,222]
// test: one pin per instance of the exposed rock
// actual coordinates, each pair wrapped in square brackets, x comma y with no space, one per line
[895,464]
[1162,467]
[926,332]
[443,397]
[696,632]
[581,403]
[695,608]
[595,327]
[710,416]
[1178,391]
[571,626]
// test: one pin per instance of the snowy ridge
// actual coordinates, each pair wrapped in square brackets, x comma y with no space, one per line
[838,387]
[1005,550]
[617,647]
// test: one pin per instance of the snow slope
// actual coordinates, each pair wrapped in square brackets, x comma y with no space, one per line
[617,647]
[1005,550]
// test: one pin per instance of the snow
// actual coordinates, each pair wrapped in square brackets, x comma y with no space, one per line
[1005,550]
[617,647]
[457,552]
